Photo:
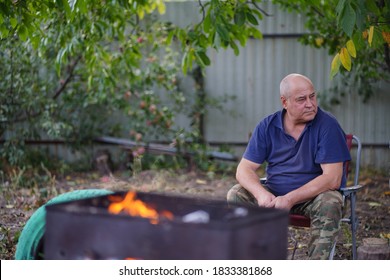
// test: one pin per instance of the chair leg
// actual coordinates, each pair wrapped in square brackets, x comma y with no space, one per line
[331,255]
[354,223]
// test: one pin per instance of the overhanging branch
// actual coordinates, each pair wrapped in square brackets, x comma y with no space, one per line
[260,9]
[68,79]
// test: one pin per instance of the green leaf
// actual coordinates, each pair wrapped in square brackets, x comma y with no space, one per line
[372,6]
[82,6]
[361,15]
[203,41]
[240,17]
[223,32]
[358,40]
[184,63]
[345,59]
[377,39]
[242,38]
[235,48]
[335,66]
[90,80]
[203,58]
[251,18]
[192,35]
[256,33]
[207,24]
[217,41]
[4,31]
[348,20]
[351,48]
[66,7]
[190,59]
[182,36]
[22,33]
[169,37]
[14,22]
[340,6]
[258,13]
[59,60]
[35,41]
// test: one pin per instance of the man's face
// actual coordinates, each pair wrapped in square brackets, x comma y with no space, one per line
[301,102]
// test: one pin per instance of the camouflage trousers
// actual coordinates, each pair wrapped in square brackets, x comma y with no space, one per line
[324,212]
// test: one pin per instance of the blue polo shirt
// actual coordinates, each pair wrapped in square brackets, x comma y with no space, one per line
[291,163]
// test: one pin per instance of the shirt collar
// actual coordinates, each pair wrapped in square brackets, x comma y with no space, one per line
[281,113]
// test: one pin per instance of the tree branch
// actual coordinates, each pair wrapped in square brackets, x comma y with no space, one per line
[260,9]
[203,12]
[67,80]
[317,11]
[27,115]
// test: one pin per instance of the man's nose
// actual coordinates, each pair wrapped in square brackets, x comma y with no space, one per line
[308,102]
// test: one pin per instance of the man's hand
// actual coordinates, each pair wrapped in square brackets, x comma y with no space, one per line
[280,202]
[248,178]
[265,198]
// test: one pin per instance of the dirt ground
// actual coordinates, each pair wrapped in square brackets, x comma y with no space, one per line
[17,205]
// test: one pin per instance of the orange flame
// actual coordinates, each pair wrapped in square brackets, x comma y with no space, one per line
[136,208]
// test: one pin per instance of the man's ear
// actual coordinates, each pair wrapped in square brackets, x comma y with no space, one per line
[283,100]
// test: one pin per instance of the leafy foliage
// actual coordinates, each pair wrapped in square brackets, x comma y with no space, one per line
[81,69]
[74,69]
[78,73]
[224,23]
[356,33]
[86,23]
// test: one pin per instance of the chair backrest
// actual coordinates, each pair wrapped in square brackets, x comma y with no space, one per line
[350,139]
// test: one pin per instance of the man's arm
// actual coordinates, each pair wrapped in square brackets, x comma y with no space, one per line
[329,180]
[247,177]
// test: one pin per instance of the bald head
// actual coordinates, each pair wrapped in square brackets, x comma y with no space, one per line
[291,81]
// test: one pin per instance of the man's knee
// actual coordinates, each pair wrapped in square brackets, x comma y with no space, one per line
[327,206]
[232,195]
[328,199]
[239,195]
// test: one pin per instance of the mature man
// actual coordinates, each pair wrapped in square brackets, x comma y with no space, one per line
[305,149]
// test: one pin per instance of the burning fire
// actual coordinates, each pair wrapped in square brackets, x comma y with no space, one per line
[136,208]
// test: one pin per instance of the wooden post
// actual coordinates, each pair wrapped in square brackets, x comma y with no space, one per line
[374,249]
[102,162]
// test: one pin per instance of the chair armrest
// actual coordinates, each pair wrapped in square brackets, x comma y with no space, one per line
[352,189]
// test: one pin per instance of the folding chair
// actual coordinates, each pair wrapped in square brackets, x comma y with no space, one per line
[349,197]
